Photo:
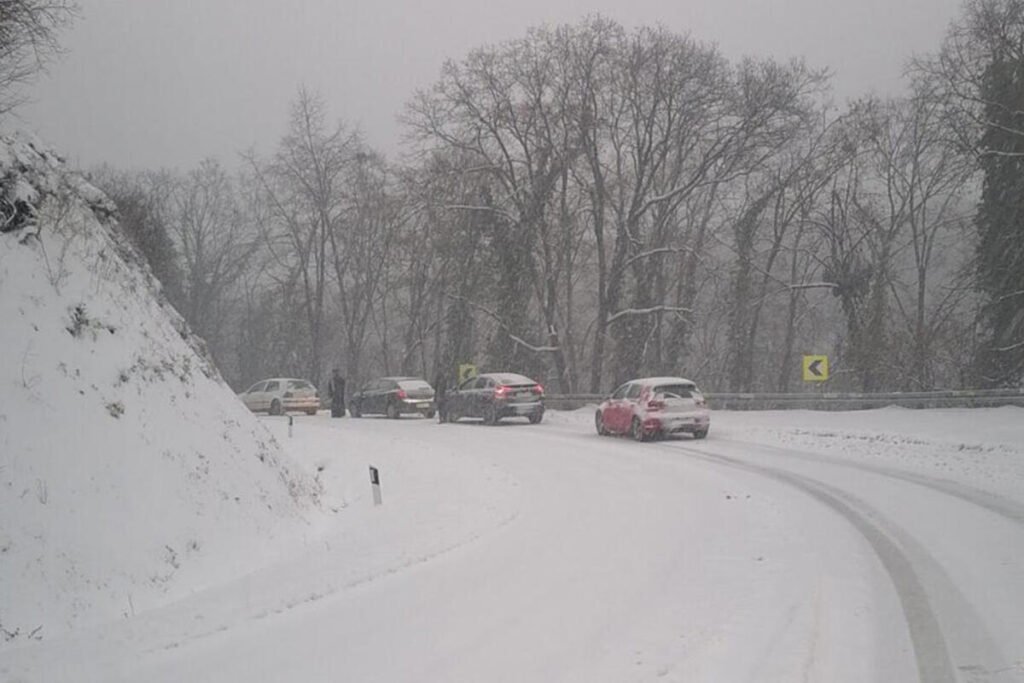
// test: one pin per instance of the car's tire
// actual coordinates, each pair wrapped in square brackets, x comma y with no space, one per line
[429,414]
[311,412]
[536,417]
[637,430]
[275,407]
[393,412]
[599,424]
[490,415]
[700,434]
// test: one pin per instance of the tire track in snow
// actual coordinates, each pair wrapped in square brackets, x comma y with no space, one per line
[1000,505]
[931,652]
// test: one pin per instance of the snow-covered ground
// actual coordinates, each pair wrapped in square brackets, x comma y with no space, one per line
[881,545]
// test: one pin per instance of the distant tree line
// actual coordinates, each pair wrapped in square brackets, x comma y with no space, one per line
[589,203]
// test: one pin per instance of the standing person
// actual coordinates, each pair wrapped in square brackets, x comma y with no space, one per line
[336,392]
[440,392]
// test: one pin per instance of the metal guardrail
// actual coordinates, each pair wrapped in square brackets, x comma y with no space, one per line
[981,398]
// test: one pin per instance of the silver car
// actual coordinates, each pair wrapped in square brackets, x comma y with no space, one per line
[279,395]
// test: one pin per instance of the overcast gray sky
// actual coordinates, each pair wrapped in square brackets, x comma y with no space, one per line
[165,83]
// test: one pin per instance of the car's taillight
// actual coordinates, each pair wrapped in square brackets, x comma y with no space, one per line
[700,400]
[401,394]
[538,389]
[501,392]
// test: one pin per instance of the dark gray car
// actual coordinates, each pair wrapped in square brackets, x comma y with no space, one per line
[394,397]
[496,395]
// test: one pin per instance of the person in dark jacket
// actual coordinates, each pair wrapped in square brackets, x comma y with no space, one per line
[336,392]
[440,397]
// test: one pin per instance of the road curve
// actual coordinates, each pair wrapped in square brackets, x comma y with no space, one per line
[949,625]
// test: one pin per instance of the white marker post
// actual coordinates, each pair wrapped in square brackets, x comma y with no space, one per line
[375,484]
[291,421]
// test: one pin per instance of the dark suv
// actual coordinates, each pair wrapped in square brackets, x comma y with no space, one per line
[393,396]
[495,395]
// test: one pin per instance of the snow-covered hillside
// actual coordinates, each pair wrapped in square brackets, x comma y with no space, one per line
[130,475]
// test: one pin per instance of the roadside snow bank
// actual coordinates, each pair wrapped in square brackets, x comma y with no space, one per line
[130,474]
[981,446]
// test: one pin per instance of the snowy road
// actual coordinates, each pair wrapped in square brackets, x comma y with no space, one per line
[952,553]
[522,553]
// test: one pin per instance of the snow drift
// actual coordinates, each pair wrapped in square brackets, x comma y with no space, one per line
[130,475]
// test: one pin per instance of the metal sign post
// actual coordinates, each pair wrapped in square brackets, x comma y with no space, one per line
[375,484]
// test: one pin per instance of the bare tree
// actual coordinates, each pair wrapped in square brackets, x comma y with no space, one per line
[28,40]
[216,244]
[361,244]
[303,186]
[979,76]
[503,109]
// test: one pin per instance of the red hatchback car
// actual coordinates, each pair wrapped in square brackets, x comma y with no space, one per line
[654,406]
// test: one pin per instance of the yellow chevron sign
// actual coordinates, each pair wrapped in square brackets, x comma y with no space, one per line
[466,370]
[815,368]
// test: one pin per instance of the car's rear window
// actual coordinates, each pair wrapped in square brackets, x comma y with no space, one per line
[511,379]
[414,385]
[680,390]
[299,384]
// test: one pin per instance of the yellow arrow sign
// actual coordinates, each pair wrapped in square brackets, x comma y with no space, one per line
[815,368]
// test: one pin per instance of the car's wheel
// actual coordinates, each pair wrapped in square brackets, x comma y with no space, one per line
[429,414]
[536,417]
[700,434]
[637,430]
[490,415]
[275,407]
[311,411]
[393,411]
[599,424]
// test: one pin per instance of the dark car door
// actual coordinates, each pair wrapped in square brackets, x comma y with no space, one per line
[377,396]
[367,397]
[359,399]
[458,400]
[388,393]
[480,395]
